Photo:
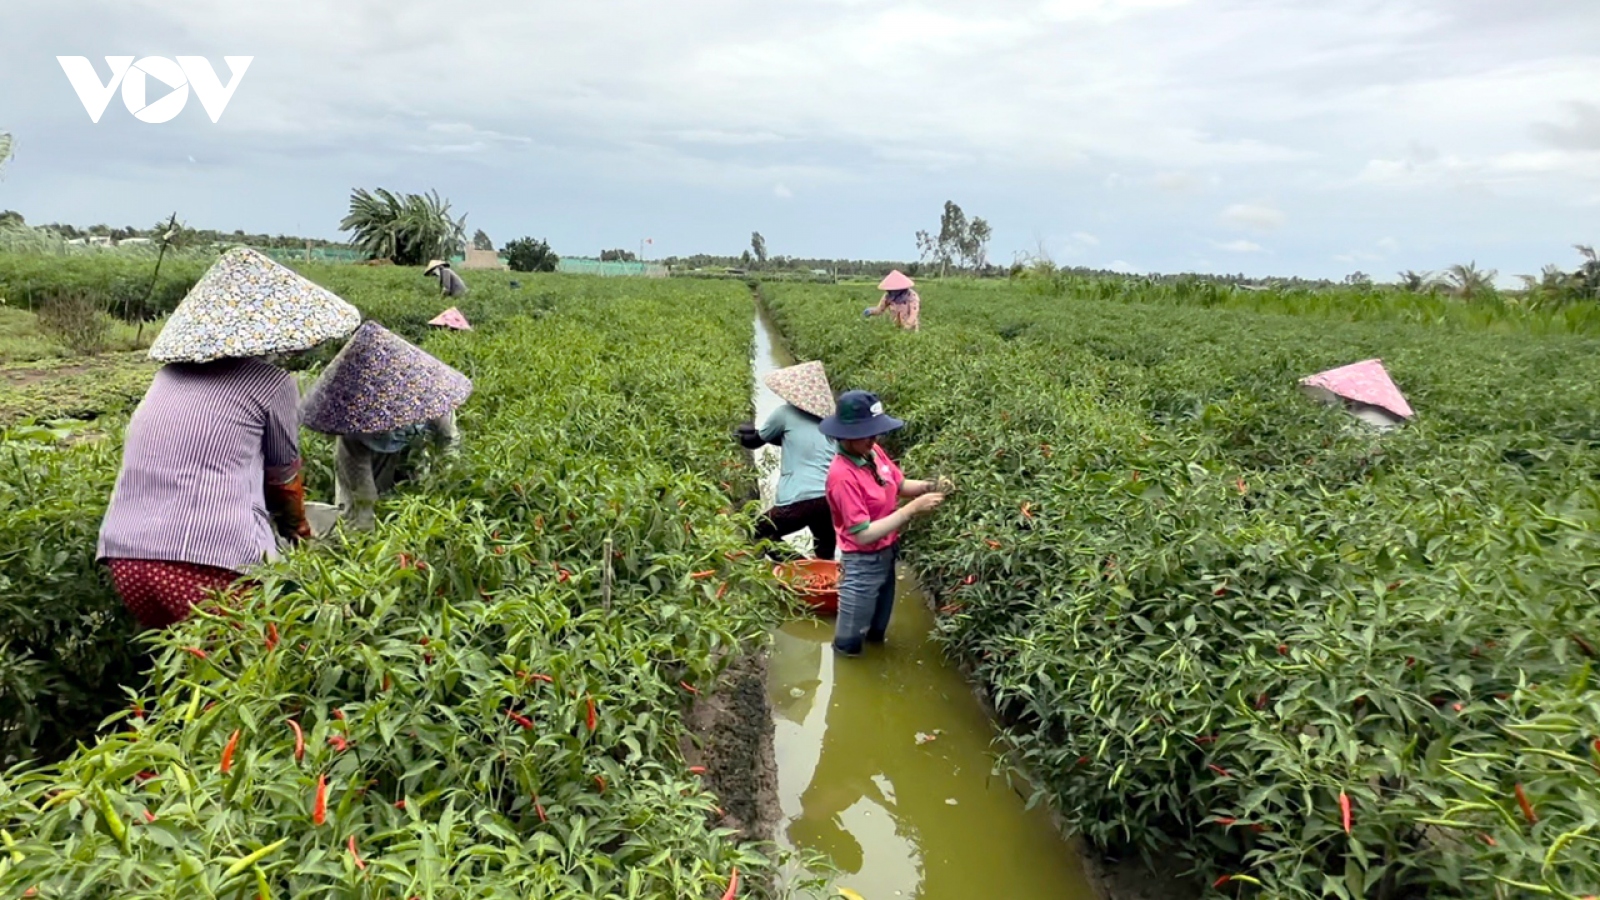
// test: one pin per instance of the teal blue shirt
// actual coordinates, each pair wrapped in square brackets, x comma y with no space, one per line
[807,454]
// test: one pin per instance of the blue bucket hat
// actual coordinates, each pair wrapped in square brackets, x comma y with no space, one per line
[858,414]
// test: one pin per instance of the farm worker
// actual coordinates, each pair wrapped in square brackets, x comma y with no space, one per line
[864,490]
[450,284]
[801,501]
[210,479]
[899,301]
[384,398]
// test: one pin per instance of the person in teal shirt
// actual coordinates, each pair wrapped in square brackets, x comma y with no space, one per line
[801,501]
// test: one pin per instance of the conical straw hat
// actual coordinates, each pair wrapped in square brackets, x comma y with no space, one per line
[895,281]
[451,318]
[432,264]
[804,386]
[1364,382]
[380,382]
[248,305]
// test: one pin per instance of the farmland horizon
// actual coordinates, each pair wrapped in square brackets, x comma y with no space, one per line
[1215,137]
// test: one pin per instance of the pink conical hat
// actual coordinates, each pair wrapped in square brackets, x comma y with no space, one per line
[895,281]
[451,318]
[1364,382]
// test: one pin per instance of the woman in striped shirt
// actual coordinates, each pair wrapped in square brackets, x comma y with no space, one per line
[210,477]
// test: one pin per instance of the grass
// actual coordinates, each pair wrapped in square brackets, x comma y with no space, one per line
[41,380]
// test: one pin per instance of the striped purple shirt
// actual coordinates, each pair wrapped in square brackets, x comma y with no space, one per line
[196,456]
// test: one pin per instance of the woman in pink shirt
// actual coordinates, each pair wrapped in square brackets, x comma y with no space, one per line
[899,301]
[864,491]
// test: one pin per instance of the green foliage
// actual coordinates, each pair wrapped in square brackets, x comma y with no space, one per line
[528,255]
[481,241]
[1204,606]
[117,281]
[481,592]
[406,229]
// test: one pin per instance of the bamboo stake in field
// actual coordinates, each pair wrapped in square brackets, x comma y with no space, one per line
[166,241]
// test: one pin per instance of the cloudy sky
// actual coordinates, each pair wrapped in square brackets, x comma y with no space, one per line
[1309,137]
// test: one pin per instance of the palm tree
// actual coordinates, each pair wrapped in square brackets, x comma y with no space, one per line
[1467,282]
[406,229]
[6,144]
[1416,283]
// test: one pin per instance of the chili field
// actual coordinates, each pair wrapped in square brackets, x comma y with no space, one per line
[1224,625]
[483,698]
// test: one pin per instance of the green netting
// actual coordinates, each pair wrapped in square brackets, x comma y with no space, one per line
[581,266]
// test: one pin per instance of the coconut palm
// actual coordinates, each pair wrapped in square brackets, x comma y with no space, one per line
[406,229]
[1467,282]
[6,144]
[1416,282]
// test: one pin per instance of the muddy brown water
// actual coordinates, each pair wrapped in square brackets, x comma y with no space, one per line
[885,763]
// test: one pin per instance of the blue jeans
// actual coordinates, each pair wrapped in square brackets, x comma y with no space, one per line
[866,598]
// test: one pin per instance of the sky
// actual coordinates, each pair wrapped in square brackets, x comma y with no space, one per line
[1269,137]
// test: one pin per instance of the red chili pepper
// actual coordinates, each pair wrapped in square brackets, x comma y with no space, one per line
[1242,487]
[138,710]
[386,682]
[520,719]
[149,816]
[1219,770]
[1083,760]
[993,544]
[591,718]
[563,576]
[733,885]
[697,576]
[697,770]
[544,678]
[227,751]
[423,640]
[1527,808]
[1344,810]
[1206,739]
[339,714]
[319,807]
[1027,508]
[1456,707]
[600,780]
[399,804]
[1221,881]
[1283,649]
[272,636]
[694,690]
[722,589]
[1261,701]
[539,808]
[299,740]
[146,775]
[354,855]
[1487,839]
[196,652]
[1226,821]
[1258,828]
[970,580]
[338,743]
[405,561]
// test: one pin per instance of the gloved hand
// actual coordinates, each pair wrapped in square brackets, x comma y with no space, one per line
[866,313]
[287,504]
[747,436]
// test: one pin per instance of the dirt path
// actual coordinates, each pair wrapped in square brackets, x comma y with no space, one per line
[731,735]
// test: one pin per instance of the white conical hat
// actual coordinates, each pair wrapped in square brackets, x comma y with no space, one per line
[248,305]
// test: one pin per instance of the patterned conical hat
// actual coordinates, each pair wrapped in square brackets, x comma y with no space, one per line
[1364,382]
[248,305]
[804,386]
[451,318]
[380,382]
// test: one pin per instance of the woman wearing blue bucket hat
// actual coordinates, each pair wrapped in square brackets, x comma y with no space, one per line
[864,491]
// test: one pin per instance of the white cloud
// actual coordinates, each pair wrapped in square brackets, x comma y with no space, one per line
[782,191]
[1239,246]
[1254,215]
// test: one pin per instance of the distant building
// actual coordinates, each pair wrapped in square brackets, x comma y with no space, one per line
[483,259]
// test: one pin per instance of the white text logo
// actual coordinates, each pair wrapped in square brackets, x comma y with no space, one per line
[135,80]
